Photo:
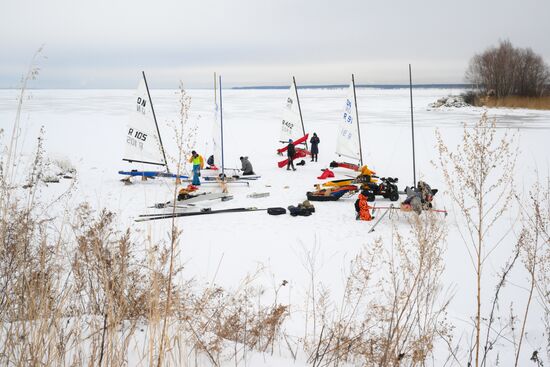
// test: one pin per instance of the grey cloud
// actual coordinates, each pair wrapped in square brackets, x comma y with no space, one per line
[105,43]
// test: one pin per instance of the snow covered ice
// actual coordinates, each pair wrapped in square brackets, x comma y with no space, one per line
[87,129]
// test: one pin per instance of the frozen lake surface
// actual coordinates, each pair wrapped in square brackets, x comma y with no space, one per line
[88,128]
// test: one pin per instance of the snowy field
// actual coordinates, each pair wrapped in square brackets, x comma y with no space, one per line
[88,128]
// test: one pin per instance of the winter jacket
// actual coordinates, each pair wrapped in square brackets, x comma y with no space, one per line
[291,150]
[197,161]
[364,213]
[314,144]
[414,199]
[246,166]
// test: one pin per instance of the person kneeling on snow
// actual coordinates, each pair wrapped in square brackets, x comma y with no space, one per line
[211,164]
[362,207]
[246,167]
[418,198]
[412,202]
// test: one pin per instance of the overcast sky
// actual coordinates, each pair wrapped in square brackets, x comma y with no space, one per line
[106,43]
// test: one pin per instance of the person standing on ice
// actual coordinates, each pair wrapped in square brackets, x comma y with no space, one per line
[362,207]
[290,153]
[198,163]
[314,141]
[246,166]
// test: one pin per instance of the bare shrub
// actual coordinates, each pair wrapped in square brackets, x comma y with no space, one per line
[535,249]
[470,97]
[479,177]
[393,311]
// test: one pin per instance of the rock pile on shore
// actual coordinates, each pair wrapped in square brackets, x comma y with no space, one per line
[450,101]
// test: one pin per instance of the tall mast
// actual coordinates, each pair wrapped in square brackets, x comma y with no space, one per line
[299,108]
[156,124]
[357,115]
[221,125]
[412,125]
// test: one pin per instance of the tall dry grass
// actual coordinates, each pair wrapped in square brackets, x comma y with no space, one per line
[394,307]
[535,256]
[534,103]
[78,292]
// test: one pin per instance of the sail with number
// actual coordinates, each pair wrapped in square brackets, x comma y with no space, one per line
[348,142]
[143,142]
[292,126]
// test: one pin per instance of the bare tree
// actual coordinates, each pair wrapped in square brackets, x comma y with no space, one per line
[505,70]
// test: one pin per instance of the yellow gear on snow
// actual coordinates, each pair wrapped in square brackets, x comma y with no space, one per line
[366,171]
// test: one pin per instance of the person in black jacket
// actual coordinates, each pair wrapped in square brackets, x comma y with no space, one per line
[290,153]
[314,146]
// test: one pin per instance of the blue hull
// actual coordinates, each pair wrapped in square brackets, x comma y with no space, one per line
[150,174]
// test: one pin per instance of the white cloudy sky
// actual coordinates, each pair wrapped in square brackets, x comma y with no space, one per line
[106,43]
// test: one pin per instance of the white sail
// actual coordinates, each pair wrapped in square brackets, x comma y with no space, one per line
[216,148]
[291,126]
[347,143]
[142,140]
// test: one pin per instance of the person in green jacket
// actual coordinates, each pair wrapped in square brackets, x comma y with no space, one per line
[198,163]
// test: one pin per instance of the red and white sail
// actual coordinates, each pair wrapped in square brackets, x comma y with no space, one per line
[291,124]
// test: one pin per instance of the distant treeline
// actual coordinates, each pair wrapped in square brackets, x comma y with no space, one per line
[372,86]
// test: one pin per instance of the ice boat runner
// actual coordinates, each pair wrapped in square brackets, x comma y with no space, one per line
[290,125]
[143,140]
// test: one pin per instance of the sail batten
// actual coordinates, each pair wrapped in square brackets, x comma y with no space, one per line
[143,142]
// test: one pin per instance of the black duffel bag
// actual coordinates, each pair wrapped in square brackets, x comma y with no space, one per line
[276,211]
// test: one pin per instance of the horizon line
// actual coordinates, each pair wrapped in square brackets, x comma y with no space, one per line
[272,87]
